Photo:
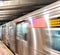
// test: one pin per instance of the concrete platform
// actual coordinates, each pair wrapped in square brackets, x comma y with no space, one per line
[4,50]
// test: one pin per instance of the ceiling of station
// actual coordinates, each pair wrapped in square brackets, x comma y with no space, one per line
[11,9]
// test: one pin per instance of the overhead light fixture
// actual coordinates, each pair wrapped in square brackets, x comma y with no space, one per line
[1,3]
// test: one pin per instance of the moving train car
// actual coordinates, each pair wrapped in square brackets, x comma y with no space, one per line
[37,33]
[40,27]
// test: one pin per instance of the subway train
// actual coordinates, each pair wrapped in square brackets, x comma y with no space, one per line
[37,33]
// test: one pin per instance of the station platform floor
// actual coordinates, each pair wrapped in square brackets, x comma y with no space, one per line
[4,49]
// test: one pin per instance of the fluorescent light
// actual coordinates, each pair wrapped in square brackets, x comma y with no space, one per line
[1,3]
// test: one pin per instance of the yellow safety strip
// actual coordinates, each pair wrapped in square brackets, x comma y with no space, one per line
[55,22]
[7,49]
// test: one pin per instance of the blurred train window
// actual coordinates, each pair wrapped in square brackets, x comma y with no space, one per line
[3,31]
[53,39]
[47,38]
[11,31]
[24,30]
[19,29]
[0,32]
[56,39]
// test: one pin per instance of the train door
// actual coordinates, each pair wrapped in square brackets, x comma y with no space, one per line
[4,33]
[12,37]
[35,38]
[19,39]
[0,32]
[25,30]
[22,44]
